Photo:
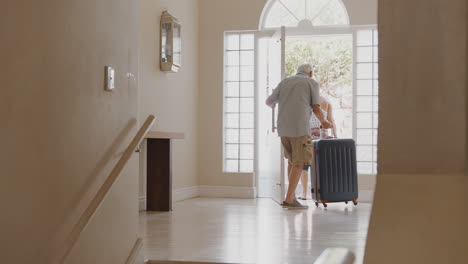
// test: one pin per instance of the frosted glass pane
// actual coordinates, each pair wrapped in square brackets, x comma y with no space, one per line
[247,151]
[232,136]
[247,89]
[232,166]
[247,121]
[232,73]
[364,167]
[232,58]
[374,165]
[247,73]
[364,87]
[279,16]
[376,103]
[376,37]
[247,41]
[314,7]
[232,89]
[247,58]
[247,105]
[232,42]
[232,120]
[247,136]
[297,7]
[364,54]
[232,105]
[232,151]
[376,54]
[375,136]
[376,120]
[376,87]
[333,14]
[364,153]
[364,71]
[364,120]
[246,166]
[364,103]
[364,137]
[290,12]
[364,38]
[376,71]
[375,153]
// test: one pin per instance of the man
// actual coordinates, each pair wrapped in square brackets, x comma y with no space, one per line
[297,96]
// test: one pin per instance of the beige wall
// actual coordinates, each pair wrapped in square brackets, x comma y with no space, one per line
[216,17]
[419,212]
[424,86]
[171,97]
[61,132]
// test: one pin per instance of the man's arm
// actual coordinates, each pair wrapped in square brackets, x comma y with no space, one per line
[319,114]
[273,98]
[270,102]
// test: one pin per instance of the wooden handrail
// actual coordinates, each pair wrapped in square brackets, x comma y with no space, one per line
[103,191]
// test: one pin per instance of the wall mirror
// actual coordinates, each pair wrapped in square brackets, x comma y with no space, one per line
[171,43]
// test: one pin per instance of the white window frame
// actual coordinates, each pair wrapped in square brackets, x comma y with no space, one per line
[239,112]
[374,79]
[269,5]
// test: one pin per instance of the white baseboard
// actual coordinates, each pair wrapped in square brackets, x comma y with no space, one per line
[177,196]
[228,192]
[185,193]
[136,255]
[366,196]
[142,203]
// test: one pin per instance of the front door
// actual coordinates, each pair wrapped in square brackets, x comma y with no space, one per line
[271,62]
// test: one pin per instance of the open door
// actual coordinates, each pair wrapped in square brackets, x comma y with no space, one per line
[271,71]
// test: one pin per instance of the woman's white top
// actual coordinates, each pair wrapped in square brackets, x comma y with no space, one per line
[315,122]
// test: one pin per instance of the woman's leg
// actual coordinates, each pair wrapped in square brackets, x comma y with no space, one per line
[305,182]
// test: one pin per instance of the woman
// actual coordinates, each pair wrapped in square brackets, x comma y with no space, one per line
[327,110]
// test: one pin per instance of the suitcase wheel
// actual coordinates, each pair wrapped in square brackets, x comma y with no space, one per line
[346,202]
[355,202]
[316,204]
[325,205]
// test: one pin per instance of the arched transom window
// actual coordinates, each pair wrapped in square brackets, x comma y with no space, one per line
[299,13]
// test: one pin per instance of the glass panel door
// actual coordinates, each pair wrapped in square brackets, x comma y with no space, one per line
[270,157]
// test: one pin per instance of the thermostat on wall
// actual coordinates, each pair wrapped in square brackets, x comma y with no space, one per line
[110,76]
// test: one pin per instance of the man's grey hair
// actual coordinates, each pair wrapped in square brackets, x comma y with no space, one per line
[305,68]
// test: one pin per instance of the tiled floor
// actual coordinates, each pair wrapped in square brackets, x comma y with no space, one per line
[252,231]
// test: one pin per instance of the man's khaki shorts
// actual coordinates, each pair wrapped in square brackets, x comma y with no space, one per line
[298,150]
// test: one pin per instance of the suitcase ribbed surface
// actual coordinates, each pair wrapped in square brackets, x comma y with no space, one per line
[336,167]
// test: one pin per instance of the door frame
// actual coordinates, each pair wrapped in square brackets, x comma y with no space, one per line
[297,32]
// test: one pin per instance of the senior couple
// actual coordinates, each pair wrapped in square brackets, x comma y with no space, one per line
[298,98]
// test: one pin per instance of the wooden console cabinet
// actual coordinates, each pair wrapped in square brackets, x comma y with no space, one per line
[158,170]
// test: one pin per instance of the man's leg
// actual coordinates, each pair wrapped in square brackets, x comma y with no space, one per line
[294,177]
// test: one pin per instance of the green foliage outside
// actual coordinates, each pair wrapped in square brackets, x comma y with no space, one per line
[331,58]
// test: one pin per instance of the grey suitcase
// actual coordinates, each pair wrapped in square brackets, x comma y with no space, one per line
[334,172]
